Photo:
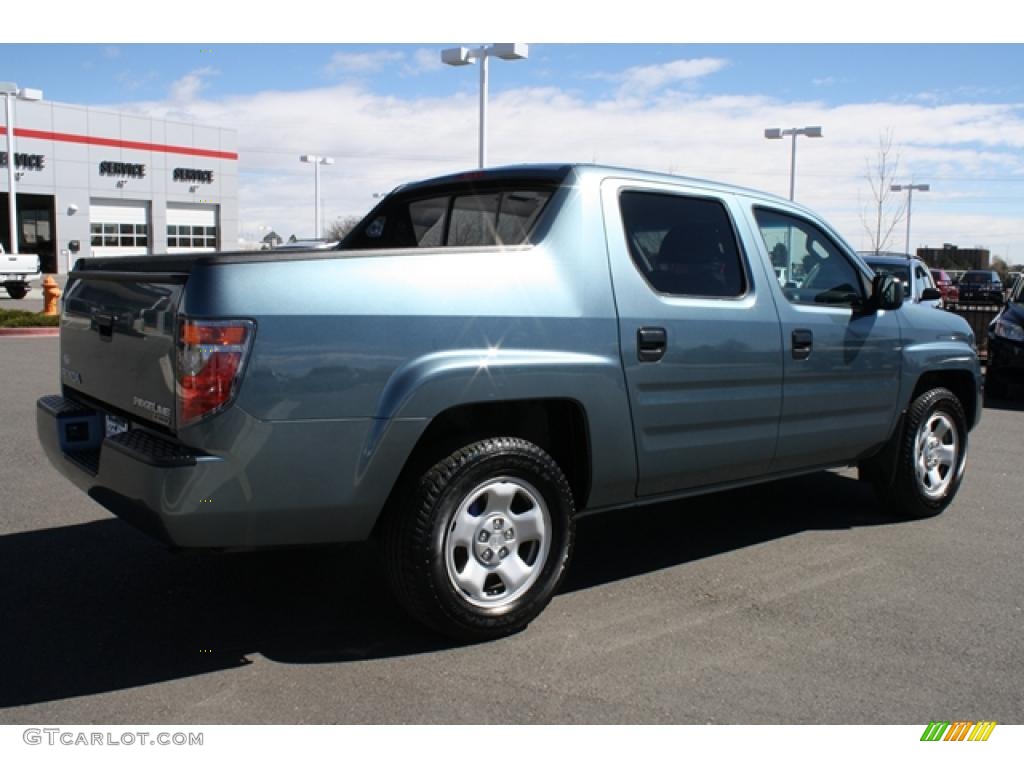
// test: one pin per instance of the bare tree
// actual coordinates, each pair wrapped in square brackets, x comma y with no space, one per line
[887,208]
[338,228]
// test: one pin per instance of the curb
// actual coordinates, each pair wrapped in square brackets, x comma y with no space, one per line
[14,333]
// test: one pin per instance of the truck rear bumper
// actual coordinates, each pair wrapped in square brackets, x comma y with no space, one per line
[269,484]
[134,474]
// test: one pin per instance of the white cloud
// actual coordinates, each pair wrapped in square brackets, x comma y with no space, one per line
[424,60]
[362,63]
[971,151]
[644,79]
[132,80]
[188,88]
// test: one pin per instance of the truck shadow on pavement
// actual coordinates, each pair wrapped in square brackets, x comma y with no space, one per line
[98,607]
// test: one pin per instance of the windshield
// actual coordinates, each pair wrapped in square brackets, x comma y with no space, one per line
[977,277]
[446,217]
[899,271]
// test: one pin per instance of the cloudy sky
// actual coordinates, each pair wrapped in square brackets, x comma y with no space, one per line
[390,113]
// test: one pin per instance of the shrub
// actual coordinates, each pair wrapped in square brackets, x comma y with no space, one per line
[19,318]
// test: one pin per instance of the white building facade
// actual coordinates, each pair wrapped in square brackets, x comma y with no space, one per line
[97,183]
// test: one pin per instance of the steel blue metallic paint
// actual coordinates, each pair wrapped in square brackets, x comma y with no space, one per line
[354,356]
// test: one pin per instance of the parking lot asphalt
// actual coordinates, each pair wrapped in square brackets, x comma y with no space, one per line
[792,602]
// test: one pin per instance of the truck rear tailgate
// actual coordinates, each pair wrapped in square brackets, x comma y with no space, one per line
[118,342]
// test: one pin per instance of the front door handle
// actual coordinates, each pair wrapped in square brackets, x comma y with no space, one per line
[803,341]
[651,344]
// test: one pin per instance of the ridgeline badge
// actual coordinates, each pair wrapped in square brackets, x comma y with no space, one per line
[160,413]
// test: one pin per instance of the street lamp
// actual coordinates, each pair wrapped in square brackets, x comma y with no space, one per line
[909,188]
[458,57]
[811,132]
[11,91]
[317,161]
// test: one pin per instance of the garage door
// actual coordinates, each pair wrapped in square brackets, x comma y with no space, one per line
[118,228]
[191,228]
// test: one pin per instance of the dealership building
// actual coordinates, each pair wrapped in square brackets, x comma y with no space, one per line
[91,182]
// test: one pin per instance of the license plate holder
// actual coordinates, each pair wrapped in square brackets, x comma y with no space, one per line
[115,425]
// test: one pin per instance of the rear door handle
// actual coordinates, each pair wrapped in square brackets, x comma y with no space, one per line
[651,344]
[803,341]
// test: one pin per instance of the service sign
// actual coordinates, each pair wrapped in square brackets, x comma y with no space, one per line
[24,161]
[193,175]
[130,170]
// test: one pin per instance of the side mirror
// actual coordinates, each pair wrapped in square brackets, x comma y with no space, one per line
[886,292]
[931,294]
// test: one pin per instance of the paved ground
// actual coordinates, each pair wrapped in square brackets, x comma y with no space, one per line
[792,602]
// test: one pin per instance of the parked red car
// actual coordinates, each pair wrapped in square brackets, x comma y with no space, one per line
[950,292]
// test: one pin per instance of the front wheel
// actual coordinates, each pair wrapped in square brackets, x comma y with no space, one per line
[931,456]
[477,547]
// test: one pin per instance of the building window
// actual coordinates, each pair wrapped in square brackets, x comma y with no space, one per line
[114,235]
[191,236]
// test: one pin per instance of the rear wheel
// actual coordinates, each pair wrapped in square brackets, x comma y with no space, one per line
[930,457]
[16,290]
[478,545]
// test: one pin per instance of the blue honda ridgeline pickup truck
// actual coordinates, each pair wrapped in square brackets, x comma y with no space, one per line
[488,356]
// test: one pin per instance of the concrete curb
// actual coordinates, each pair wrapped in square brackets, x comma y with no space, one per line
[14,333]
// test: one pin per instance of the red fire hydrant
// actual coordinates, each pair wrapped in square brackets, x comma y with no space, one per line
[50,295]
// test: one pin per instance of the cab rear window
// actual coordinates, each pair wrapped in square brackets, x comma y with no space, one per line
[472,217]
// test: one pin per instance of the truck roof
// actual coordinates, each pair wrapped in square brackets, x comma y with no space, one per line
[557,172]
[548,173]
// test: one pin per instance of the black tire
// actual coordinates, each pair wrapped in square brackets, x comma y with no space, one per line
[930,455]
[502,480]
[16,290]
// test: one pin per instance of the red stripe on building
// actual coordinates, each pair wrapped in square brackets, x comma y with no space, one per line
[75,138]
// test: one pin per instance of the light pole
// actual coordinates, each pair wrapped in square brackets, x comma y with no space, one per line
[811,132]
[909,188]
[317,161]
[11,91]
[458,57]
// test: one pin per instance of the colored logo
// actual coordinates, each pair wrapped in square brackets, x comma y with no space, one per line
[959,730]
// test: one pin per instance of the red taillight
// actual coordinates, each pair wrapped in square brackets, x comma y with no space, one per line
[211,354]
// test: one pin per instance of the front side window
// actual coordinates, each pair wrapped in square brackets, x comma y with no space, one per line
[684,246]
[811,268]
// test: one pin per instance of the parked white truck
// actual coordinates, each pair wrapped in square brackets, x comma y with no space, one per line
[16,270]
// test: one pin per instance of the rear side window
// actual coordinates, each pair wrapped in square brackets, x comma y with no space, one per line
[684,246]
[471,218]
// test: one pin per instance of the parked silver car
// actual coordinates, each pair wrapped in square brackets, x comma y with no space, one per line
[918,284]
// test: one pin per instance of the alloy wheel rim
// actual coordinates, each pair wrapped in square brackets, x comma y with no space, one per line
[497,542]
[936,448]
